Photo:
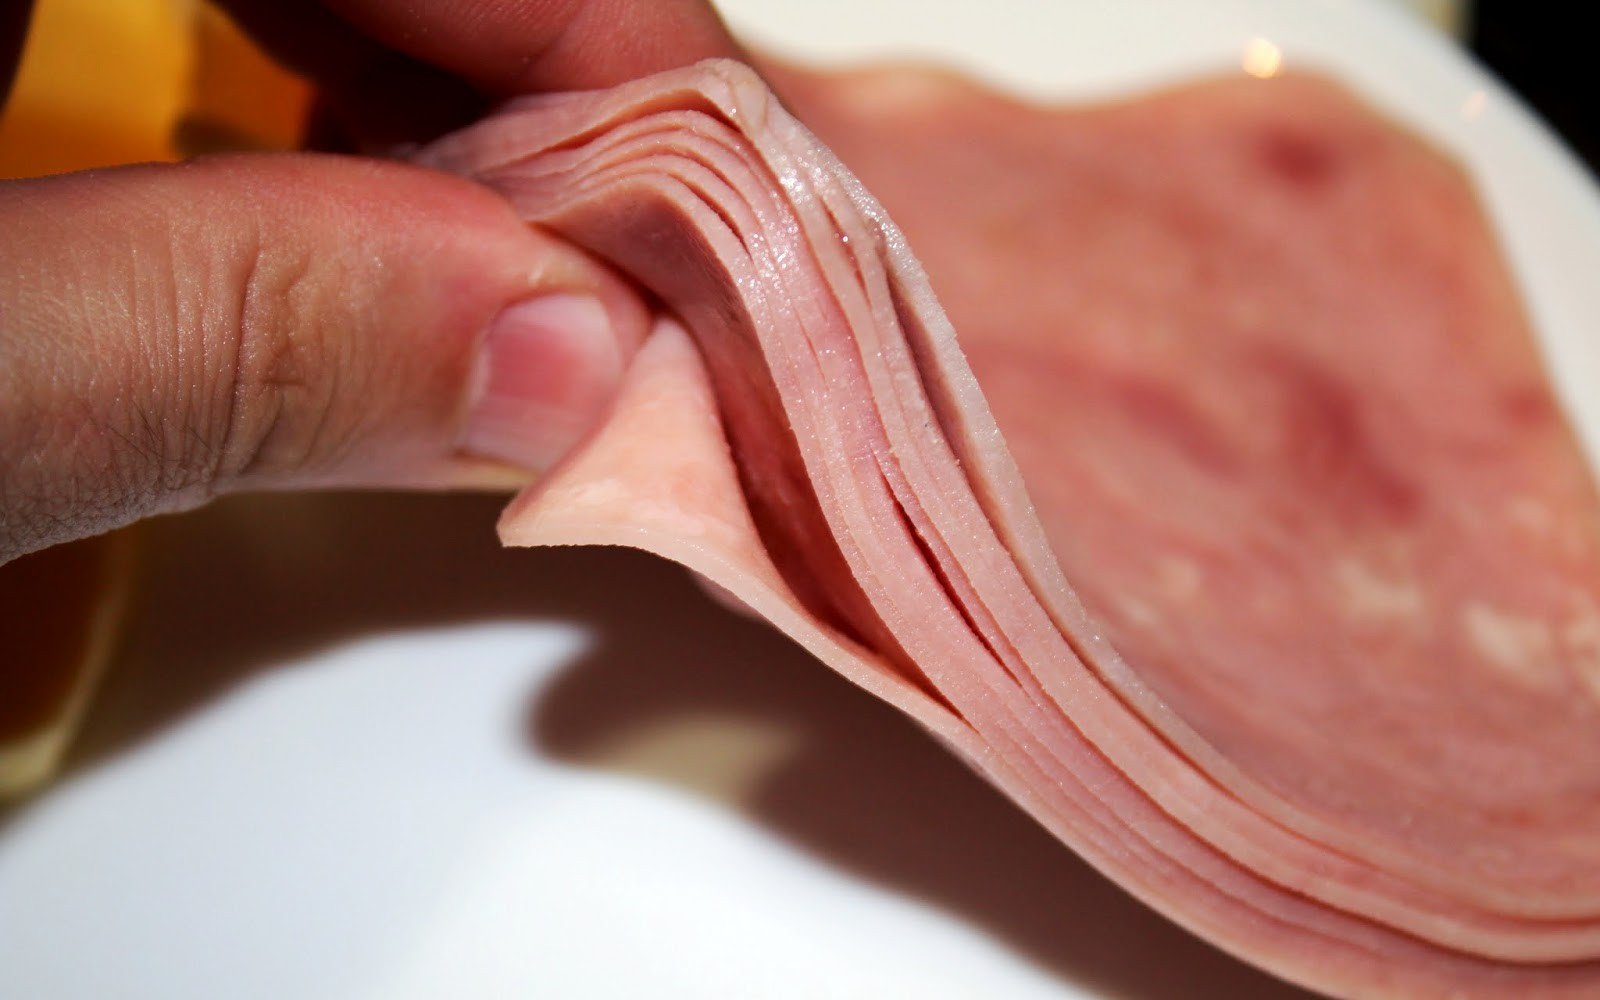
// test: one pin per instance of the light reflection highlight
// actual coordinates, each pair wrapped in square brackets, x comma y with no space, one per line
[1262,59]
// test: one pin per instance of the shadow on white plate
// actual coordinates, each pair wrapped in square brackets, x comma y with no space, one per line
[231,591]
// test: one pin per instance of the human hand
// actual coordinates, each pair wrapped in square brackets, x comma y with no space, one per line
[170,333]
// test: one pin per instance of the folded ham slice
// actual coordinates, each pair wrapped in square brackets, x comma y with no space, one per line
[1298,637]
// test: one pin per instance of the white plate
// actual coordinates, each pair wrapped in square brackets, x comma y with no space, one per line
[355,750]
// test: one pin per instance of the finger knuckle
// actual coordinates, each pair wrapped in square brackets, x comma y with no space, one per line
[273,412]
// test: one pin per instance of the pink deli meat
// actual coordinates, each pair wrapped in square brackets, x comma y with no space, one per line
[1295,629]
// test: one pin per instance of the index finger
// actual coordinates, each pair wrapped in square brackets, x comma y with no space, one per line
[519,46]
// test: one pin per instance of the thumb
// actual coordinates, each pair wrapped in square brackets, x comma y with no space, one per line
[170,333]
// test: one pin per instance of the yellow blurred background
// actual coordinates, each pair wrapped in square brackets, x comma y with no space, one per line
[103,82]
[119,81]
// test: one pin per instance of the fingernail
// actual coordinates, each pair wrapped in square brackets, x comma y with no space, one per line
[548,368]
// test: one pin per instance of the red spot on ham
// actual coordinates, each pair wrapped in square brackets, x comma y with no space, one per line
[1329,448]
[1298,159]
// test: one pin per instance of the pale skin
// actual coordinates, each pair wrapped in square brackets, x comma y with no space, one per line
[172,333]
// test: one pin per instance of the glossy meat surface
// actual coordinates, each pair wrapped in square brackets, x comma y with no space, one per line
[1286,631]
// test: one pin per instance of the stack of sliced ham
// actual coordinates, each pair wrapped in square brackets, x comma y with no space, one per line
[1294,630]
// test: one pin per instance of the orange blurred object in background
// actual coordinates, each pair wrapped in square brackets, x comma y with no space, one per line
[121,81]
[103,82]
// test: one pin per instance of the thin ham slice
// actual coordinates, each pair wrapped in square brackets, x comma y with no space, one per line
[1325,683]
